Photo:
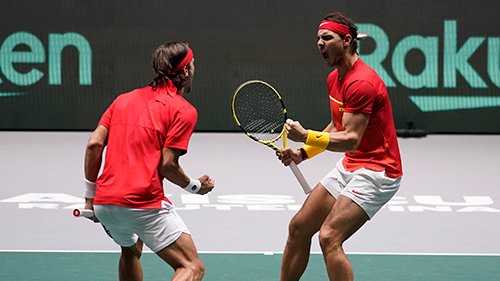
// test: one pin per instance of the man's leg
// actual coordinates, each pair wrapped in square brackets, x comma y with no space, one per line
[129,266]
[183,257]
[344,220]
[303,226]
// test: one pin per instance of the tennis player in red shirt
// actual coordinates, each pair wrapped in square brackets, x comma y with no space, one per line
[370,172]
[145,131]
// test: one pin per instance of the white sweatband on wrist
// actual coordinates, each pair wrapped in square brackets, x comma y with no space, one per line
[89,189]
[193,186]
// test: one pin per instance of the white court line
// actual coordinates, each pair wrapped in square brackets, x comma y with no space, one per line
[264,253]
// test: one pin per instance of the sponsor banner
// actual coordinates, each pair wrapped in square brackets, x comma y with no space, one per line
[60,72]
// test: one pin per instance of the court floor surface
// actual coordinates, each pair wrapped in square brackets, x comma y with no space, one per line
[49,266]
[441,225]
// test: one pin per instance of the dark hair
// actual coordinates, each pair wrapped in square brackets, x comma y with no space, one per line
[165,58]
[341,18]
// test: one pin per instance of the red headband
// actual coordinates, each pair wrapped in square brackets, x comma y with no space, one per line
[336,27]
[185,61]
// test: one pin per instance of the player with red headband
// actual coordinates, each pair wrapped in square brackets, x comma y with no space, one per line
[145,131]
[369,174]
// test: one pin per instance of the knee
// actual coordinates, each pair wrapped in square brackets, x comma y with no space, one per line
[131,252]
[198,269]
[298,230]
[295,229]
[329,240]
[201,269]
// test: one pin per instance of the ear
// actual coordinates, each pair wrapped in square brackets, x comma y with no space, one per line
[186,71]
[347,40]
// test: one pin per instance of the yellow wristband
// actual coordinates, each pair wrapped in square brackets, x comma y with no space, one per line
[318,139]
[311,151]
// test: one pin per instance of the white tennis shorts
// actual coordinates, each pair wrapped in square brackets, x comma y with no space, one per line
[157,228]
[369,189]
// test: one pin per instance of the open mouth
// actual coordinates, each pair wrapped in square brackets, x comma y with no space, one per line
[325,55]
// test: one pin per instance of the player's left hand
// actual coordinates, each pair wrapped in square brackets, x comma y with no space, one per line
[295,131]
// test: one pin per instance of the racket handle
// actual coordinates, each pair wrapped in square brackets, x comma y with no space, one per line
[87,213]
[300,177]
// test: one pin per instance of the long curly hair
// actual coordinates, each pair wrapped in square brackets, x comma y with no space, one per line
[165,58]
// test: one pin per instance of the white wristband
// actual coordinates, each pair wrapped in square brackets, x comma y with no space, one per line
[89,189]
[193,186]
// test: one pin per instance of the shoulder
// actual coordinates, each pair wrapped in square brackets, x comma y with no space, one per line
[363,77]
[138,91]
[133,94]
[183,108]
[333,75]
[362,87]
[365,72]
[181,102]
[332,78]
[187,107]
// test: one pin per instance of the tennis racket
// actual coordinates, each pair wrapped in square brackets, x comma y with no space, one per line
[87,213]
[261,114]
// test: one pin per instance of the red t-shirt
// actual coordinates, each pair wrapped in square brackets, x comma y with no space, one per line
[140,124]
[361,90]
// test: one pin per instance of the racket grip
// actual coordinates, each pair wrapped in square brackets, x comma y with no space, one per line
[300,177]
[87,213]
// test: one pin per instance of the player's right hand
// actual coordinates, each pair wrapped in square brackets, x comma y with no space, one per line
[207,184]
[89,204]
[287,155]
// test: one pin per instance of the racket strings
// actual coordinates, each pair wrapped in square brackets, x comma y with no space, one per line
[259,111]
[264,131]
